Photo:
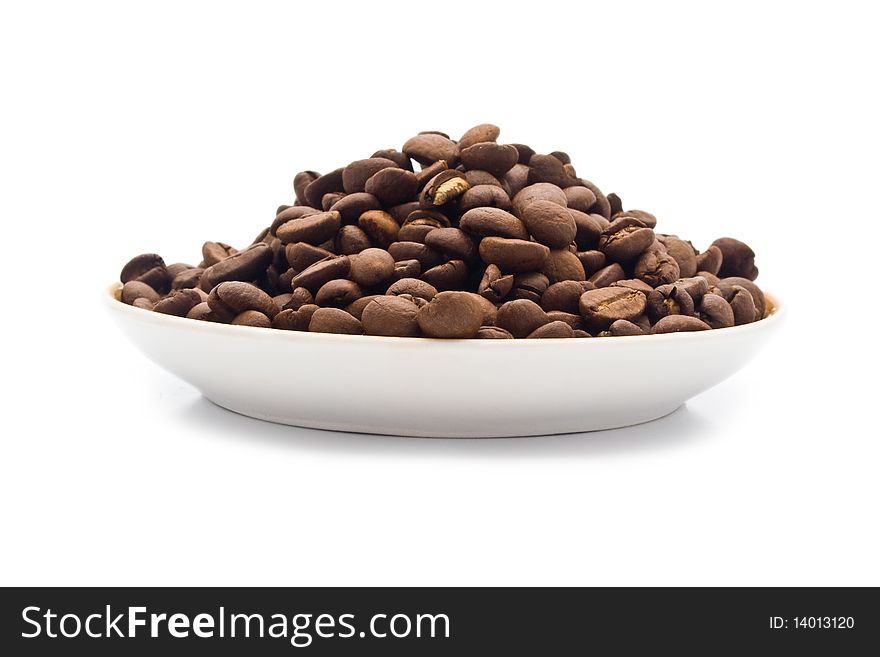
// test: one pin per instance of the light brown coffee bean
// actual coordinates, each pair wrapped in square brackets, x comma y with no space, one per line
[314,228]
[679,323]
[414,287]
[602,307]
[391,315]
[451,315]
[380,226]
[334,320]
[371,267]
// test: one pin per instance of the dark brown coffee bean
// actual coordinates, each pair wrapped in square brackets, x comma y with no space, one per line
[406,269]
[143,303]
[711,279]
[493,222]
[742,305]
[478,134]
[400,212]
[513,255]
[252,318]
[351,206]
[356,308]
[329,182]
[737,259]
[515,180]
[334,320]
[549,223]
[574,321]
[552,330]
[134,290]
[484,196]
[330,199]
[178,303]
[679,323]
[451,315]
[592,261]
[414,232]
[295,320]
[695,286]
[494,285]
[188,278]
[446,187]
[452,243]
[414,287]
[426,256]
[521,317]
[633,284]
[302,255]
[623,327]
[214,252]
[351,240]
[296,299]
[716,312]
[202,311]
[293,212]
[391,315]
[607,275]
[601,307]
[247,265]
[668,300]
[683,252]
[657,268]
[314,229]
[588,229]
[447,276]
[616,204]
[646,218]
[393,186]
[563,265]
[580,198]
[548,169]
[710,260]
[371,267]
[429,148]
[380,226]
[395,156]
[234,297]
[493,333]
[477,177]
[602,206]
[625,239]
[301,181]
[338,293]
[565,295]
[140,265]
[538,192]
[754,290]
[497,159]
[530,285]
[427,173]
[356,174]
[314,276]
[432,218]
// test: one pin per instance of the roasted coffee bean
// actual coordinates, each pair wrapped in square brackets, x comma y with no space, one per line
[351,240]
[646,218]
[601,307]
[575,321]
[392,185]
[623,327]
[380,226]
[425,175]
[432,218]
[214,252]
[737,259]
[400,159]
[530,285]
[580,198]
[295,320]
[323,271]
[602,207]
[175,269]
[294,212]
[371,267]
[493,222]
[493,333]
[516,179]
[716,312]
[742,305]
[234,297]
[351,206]
[695,286]
[302,180]
[414,287]
[679,323]
[202,311]
[477,177]
[657,268]
[330,199]
[588,229]
[247,265]
[668,300]
[625,239]
[633,284]
[754,290]
[415,232]
[452,243]
[710,260]
[134,290]
[356,308]
[494,285]
[521,317]
[427,148]
[451,315]
[548,169]
[314,228]
[178,303]
[490,311]
[538,192]
[565,295]
[563,265]
[683,252]
[406,269]
[607,275]
[187,278]
[296,299]
[356,174]
[592,261]
[484,196]
[513,255]
[334,320]
[143,304]
[252,318]
[390,315]
[549,223]
[478,134]
[497,159]
[447,276]
[338,293]
[426,256]
[302,255]
[329,182]
[445,187]
[140,265]
[616,204]
[400,212]
[552,330]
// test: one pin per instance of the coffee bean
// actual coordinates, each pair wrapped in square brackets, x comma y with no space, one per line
[716,312]
[616,204]
[623,327]
[684,254]
[234,297]
[563,265]
[297,298]
[414,287]
[588,229]
[549,223]
[575,321]
[494,285]
[134,290]
[356,174]
[426,256]
[214,252]
[187,278]
[406,269]
[323,271]
[356,308]
[548,169]
[351,206]
[329,182]
[301,181]
[391,315]
[178,303]
[601,207]
[601,307]
[400,159]
[479,133]
[580,198]
[657,268]
[295,320]
[415,232]
[202,311]
[140,265]
[334,320]
[737,259]
[431,218]
[314,228]
[447,276]
[754,290]
[742,305]
[477,177]
[330,199]
[530,285]
[252,318]
[592,261]
[301,255]
[710,260]
[452,243]
[625,239]
[521,317]
[493,222]
[429,148]
[392,186]
[565,295]
[380,226]
[446,187]
[646,218]
[338,293]
[451,315]
[351,240]
[633,284]
[424,175]
[371,267]
[607,275]
[400,212]
[516,179]
[538,192]
[493,333]
[497,159]
[513,255]
[294,212]
[679,323]
[552,330]
[668,300]
[247,265]
[695,286]
[484,196]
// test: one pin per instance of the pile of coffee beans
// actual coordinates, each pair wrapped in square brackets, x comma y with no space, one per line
[483,240]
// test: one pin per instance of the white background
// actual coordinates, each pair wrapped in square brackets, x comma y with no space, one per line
[155,126]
